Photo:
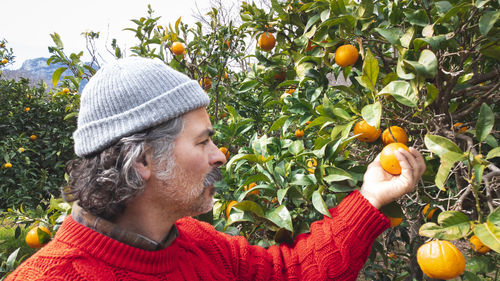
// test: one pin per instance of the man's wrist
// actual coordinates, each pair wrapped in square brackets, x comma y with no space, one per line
[371,199]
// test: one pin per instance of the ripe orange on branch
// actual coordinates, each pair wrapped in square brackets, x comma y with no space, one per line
[395,221]
[250,186]
[299,133]
[34,240]
[267,41]
[388,160]
[5,61]
[428,213]
[440,259]
[346,55]
[177,48]
[477,245]
[229,207]
[394,134]
[368,132]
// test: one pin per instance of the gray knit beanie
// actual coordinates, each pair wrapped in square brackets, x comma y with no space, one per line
[131,95]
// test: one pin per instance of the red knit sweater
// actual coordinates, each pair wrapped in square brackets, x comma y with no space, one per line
[335,249]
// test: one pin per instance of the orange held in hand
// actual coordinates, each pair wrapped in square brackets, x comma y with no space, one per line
[367,132]
[346,55]
[267,41]
[394,134]
[388,160]
[34,240]
[177,48]
[440,260]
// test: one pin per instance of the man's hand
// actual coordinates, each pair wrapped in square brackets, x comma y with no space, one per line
[381,188]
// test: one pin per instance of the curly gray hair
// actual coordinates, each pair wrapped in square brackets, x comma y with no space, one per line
[102,183]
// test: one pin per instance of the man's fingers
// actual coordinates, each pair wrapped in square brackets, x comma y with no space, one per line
[420,161]
[407,163]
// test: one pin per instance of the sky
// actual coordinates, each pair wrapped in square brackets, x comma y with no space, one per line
[27,24]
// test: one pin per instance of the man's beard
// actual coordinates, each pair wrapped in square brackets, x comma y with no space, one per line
[188,193]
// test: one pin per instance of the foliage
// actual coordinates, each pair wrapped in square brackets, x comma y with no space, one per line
[429,67]
[35,140]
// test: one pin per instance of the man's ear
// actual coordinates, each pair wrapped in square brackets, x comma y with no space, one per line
[143,167]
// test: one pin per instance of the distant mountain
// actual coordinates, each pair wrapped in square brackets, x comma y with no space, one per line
[35,70]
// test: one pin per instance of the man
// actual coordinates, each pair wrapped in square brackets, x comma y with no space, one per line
[147,164]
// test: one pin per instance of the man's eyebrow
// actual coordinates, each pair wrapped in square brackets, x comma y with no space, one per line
[210,132]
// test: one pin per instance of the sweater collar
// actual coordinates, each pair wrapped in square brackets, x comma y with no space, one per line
[118,233]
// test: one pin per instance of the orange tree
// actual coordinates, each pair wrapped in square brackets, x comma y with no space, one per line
[423,66]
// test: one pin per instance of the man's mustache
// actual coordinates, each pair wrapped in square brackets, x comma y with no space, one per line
[212,177]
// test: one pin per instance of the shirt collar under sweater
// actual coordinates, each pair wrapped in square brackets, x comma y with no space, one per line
[120,234]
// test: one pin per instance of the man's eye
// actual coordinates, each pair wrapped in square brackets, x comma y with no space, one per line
[205,141]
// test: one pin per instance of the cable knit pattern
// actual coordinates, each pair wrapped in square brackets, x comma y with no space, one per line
[335,249]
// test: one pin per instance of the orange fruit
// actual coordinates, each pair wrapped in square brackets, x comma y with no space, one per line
[388,160]
[299,133]
[65,90]
[225,151]
[346,55]
[206,83]
[367,132]
[440,259]
[227,43]
[392,256]
[21,149]
[275,200]
[428,214]
[33,137]
[4,61]
[223,115]
[34,240]
[229,207]
[250,186]
[267,41]
[8,165]
[27,109]
[177,48]
[395,221]
[290,90]
[311,164]
[477,245]
[225,75]
[394,134]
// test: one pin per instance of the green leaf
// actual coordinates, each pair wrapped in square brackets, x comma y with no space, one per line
[248,85]
[337,174]
[489,234]
[480,264]
[391,34]
[453,225]
[495,152]
[426,65]
[440,145]
[485,122]
[12,259]
[57,40]
[370,71]
[278,124]
[401,91]
[469,276]
[434,42]
[494,217]
[281,217]
[372,113]
[487,21]
[407,37]
[491,50]
[417,17]
[392,210]
[250,206]
[319,204]
[297,147]
[448,160]
[301,179]
[57,75]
